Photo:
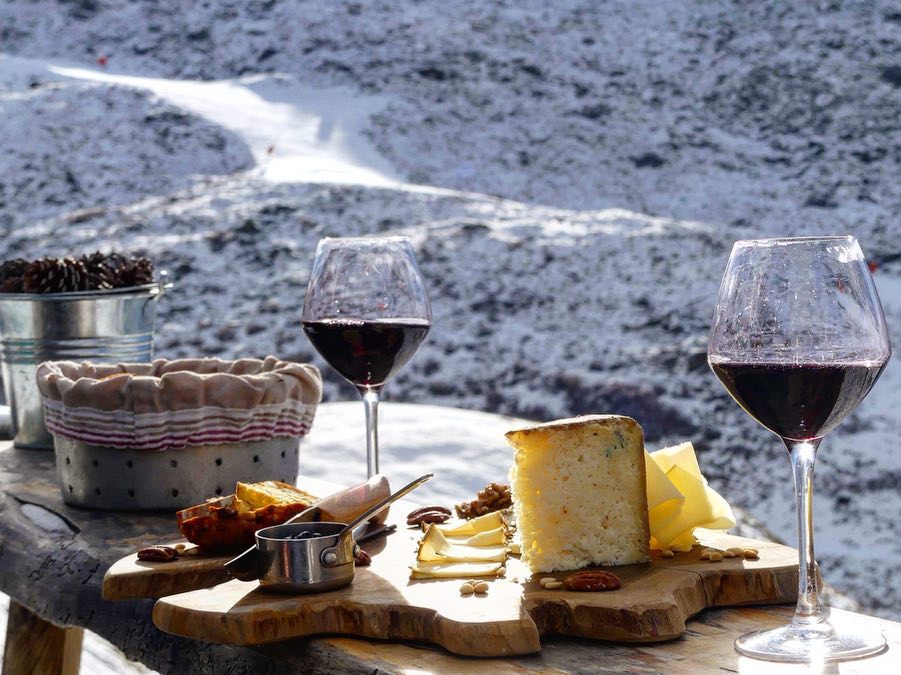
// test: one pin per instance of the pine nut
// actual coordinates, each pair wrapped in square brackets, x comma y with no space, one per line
[467,589]
[735,550]
[553,585]
[705,555]
[728,554]
[546,580]
[716,556]
[179,547]
[750,554]
[481,587]
[666,553]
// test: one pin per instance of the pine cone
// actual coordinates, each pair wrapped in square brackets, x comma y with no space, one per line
[101,276]
[55,275]
[135,272]
[11,275]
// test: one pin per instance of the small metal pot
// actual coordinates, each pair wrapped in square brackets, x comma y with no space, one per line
[311,565]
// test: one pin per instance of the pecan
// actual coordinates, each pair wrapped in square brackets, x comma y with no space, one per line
[423,509]
[592,581]
[157,554]
[363,559]
[428,517]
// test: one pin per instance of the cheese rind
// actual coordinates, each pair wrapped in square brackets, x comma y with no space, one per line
[579,493]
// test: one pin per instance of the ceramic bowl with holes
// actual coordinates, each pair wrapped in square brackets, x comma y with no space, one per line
[101,477]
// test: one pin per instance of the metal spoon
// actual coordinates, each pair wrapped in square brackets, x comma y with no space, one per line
[248,565]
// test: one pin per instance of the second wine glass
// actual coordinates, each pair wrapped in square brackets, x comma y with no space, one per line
[366,311]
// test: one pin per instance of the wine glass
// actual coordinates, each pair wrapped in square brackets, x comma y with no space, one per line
[366,312]
[798,340]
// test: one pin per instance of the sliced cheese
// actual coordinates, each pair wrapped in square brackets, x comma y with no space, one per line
[435,547]
[493,537]
[467,528]
[435,570]
[680,500]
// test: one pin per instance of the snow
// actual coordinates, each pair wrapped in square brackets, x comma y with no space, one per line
[295,133]
[572,175]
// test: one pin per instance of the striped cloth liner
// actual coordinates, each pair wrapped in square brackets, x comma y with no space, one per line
[179,428]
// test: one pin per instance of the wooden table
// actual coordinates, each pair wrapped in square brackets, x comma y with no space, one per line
[53,557]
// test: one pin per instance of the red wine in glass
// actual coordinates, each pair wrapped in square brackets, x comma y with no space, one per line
[798,340]
[366,311]
[367,353]
[798,401]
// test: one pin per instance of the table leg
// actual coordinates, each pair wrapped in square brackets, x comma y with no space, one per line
[38,647]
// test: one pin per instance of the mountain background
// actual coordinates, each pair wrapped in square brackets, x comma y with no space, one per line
[572,174]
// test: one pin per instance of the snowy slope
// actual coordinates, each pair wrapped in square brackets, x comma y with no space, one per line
[630,146]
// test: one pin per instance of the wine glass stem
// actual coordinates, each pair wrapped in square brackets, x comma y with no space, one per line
[808,611]
[371,403]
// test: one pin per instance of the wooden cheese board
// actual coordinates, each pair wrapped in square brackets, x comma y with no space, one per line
[653,604]
[130,578]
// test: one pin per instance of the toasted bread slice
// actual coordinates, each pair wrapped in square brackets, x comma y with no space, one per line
[268,492]
[229,523]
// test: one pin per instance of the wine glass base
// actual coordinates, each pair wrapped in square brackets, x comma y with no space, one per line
[809,644]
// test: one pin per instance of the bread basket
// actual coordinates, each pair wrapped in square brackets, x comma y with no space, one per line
[169,434]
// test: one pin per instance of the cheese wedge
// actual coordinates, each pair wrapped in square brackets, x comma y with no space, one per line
[680,499]
[579,493]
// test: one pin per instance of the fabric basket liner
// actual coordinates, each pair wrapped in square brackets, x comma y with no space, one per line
[181,403]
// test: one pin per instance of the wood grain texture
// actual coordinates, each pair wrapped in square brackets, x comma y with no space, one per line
[656,600]
[130,578]
[37,647]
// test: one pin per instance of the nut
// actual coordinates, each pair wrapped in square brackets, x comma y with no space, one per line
[493,497]
[553,585]
[467,589]
[157,554]
[705,555]
[716,556]
[431,515]
[546,580]
[425,509]
[192,551]
[179,547]
[735,550]
[592,581]
[667,553]
[481,587]
[728,554]
[501,571]
[363,559]
[750,554]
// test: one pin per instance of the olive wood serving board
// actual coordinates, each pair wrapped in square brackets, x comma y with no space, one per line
[653,604]
[130,578]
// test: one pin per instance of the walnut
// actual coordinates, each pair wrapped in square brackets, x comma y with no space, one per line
[494,497]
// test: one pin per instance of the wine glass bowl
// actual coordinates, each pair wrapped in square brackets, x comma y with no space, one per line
[366,311]
[798,340]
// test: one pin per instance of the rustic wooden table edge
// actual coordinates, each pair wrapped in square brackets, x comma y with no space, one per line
[53,558]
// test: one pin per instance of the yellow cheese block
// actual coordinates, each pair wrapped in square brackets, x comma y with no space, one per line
[680,500]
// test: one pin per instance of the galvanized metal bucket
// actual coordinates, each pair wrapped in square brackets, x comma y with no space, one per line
[114,326]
